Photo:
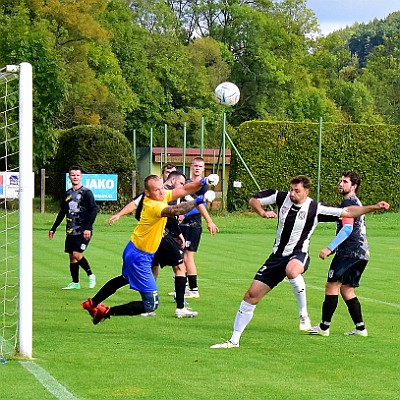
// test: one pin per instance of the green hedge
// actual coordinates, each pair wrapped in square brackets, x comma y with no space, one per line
[98,150]
[276,151]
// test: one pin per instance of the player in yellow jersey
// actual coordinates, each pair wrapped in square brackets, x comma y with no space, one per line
[139,252]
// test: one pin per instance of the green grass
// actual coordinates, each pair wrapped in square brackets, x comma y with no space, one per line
[166,358]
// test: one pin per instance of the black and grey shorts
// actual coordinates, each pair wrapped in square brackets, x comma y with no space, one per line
[192,234]
[348,271]
[76,243]
[273,270]
[168,253]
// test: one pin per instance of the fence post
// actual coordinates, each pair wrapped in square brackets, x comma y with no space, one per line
[133,184]
[42,189]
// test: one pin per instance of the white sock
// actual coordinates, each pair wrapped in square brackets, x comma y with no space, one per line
[299,290]
[243,317]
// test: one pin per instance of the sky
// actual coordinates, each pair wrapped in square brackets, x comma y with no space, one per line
[335,14]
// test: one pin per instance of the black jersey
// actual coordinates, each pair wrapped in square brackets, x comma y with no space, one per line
[79,208]
[355,246]
[296,223]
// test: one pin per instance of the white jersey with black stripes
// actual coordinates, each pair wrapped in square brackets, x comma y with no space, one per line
[296,222]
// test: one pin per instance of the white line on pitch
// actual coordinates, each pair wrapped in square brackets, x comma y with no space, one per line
[50,383]
[386,303]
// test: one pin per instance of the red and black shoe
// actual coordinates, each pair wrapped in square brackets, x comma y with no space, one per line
[88,305]
[102,312]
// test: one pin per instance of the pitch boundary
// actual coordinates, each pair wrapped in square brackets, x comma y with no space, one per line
[48,381]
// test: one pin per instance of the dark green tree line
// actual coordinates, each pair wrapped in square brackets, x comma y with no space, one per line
[141,64]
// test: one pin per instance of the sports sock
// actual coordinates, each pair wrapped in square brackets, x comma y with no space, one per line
[328,309]
[132,308]
[243,317]
[299,290]
[85,265]
[180,286]
[192,281]
[354,308]
[108,289]
[74,269]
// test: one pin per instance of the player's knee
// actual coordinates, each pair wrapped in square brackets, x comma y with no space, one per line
[179,270]
[251,298]
[347,292]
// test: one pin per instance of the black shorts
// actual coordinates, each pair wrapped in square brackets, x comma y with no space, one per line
[76,243]
[274,269]
[168,253]
[348,271]
[192,234]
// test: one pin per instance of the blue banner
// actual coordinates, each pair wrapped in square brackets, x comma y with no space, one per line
[103,186]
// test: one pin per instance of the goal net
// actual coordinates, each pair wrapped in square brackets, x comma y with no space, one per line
[16,192]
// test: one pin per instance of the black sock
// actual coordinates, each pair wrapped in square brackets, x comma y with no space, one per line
[192,280]
[328,309]
[354,308]
[180,285]
[109,288]
[85,265]
[132,308]
[74,269]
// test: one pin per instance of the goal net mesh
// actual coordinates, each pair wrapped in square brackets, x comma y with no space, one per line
[9,212]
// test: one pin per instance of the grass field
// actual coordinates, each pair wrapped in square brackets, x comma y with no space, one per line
[166,358]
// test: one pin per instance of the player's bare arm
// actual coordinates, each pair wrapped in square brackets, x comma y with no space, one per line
[181,208]
[259,209]
[128,209]
[87,234]
[357,211]
[213,229]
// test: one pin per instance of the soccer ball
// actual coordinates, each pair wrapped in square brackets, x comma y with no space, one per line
[227,93]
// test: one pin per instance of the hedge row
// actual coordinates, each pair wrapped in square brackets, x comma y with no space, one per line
[276,151]
[98,150]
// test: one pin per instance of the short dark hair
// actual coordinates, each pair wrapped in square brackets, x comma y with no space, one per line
[75,168]
[304,180]
[167,166]
[176,174]
[354,178]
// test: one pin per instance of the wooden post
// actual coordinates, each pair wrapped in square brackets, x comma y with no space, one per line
[42,189]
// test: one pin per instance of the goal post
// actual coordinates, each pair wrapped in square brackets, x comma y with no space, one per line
[16,210]
[26,191]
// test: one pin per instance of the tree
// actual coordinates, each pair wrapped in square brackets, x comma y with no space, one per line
[30,41]
[93,71]
[382,78]
[98,149]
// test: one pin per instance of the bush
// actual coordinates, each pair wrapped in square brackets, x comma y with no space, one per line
[276,151]
[98,150]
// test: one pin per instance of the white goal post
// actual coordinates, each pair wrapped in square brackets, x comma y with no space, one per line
[18,107]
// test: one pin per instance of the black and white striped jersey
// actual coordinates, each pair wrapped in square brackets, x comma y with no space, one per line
[296,223]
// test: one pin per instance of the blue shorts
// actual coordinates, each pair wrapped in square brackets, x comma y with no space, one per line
[137,269]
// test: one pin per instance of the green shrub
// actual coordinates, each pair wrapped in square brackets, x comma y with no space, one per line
[276,151]
[98,150]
